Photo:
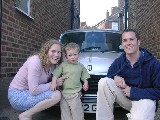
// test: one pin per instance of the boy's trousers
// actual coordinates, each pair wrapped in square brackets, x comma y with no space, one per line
[108,93]
[71,107]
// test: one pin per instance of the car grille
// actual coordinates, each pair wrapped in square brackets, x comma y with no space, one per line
[93,84]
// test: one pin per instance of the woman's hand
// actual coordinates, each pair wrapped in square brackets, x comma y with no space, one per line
[53,86]
[61,80]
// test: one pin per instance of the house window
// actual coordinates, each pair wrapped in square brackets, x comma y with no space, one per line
[114,25]
[23,6]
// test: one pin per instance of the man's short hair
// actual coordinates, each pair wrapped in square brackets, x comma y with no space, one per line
[132,30]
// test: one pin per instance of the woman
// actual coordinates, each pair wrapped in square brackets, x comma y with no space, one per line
[30,91]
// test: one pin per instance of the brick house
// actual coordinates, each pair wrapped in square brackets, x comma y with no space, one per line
[111,21]
[28,23]
[144,16]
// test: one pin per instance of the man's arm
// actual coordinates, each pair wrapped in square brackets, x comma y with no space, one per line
[144,93]
[153,92]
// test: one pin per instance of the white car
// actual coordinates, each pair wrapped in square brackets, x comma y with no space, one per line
[99,48]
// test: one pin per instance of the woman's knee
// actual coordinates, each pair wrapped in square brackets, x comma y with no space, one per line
[56,96]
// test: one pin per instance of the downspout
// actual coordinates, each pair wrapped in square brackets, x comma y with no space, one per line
[125,14]
[79,14]
[72,14]
[1,20]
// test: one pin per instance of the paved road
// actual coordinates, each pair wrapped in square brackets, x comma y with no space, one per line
[120,114]
[52,114]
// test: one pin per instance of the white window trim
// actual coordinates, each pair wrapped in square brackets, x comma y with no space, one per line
[28,6]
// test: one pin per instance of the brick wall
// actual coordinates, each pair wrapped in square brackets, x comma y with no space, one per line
[22,35]
[144,16]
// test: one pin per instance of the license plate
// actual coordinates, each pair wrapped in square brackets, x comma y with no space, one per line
[89,107]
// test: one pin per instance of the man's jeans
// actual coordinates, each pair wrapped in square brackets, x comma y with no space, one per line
[108,93]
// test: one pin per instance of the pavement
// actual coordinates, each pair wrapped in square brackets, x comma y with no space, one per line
[8,113]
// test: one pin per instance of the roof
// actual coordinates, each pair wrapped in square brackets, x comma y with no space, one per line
[91,30]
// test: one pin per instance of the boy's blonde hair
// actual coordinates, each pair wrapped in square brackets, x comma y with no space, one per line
[71,46]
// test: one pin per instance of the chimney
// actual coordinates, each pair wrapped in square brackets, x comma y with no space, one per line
[107,15]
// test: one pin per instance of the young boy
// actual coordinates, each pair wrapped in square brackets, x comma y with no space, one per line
[73,71]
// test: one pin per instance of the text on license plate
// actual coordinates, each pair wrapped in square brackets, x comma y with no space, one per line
[89,107]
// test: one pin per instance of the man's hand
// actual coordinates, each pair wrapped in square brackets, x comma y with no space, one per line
[119,81]
[126,91]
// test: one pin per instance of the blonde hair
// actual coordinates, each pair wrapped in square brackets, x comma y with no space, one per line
[42,53]
[72,46]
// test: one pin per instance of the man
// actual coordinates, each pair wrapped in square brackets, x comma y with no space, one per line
[133,81]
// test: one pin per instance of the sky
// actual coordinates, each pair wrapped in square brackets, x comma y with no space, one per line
[93,11]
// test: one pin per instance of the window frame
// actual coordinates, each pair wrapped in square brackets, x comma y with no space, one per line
[28,5]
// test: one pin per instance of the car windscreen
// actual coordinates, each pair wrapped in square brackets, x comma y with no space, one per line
[94,41]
